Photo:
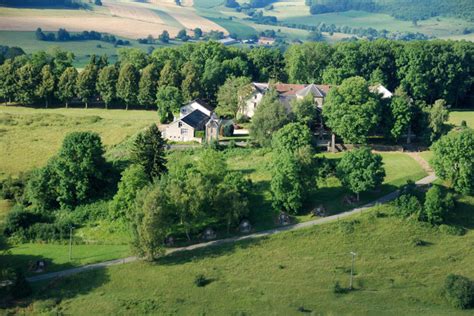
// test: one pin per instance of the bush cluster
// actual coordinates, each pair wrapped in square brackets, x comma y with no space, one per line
[459,291]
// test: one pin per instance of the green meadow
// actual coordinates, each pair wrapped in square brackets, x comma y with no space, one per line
[285,274]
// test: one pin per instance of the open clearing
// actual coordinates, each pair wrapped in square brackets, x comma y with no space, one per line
[285,273]
[29,137]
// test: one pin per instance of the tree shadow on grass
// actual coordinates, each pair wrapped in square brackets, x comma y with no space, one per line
[462,216]
[332,198]
[55,290]
[219,249]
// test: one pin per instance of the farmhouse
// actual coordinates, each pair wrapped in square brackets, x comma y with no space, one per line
[193,117]
[266,41]
[289,92]
[286,92]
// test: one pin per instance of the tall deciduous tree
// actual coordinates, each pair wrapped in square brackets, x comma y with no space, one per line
[351,110]
[8,86]
[453,160]
[306,63]
[438,115]
[45,88]
[149,152]
[80,167]
[67,85]
[190,86]
[26,83]
[169,75]
[147,85]
[360,170]
[152,222]
[269,117]
[134,178]
[401,113]
[127,84]
[306,112]
[85,86]
[232,95]
[169,100]
[106,84]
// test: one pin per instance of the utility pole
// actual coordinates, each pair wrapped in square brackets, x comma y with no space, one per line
[70,243]
[352,269]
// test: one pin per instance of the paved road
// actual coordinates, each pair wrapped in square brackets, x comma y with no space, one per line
[384,199]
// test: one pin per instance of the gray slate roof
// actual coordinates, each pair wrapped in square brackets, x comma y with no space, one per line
[195,119]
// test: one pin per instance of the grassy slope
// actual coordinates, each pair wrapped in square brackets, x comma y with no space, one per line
[279,274]
[399,168]
[29,137]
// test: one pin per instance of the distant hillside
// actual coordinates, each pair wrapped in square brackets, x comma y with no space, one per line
[401,9]
[41,3]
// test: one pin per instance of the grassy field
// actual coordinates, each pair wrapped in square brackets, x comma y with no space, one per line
[284,274]
[57,256]
[256,164]
[81,49]
[29,137]
[457,116]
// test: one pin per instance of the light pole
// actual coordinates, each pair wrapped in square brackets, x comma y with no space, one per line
[70,243]
[352,269]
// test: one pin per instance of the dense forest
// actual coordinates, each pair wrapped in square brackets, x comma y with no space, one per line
[401,9]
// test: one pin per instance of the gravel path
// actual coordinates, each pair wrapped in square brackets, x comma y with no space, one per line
[427,180]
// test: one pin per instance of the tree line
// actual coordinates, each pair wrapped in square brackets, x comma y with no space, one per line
[63,35]
[400,9]
[427,71]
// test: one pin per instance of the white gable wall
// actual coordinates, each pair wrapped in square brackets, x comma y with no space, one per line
[185,110]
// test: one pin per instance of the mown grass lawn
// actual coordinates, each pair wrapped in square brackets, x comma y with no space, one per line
[284,274]
[457,116]
[29,137]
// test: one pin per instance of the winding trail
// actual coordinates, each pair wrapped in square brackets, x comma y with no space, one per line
[384,199]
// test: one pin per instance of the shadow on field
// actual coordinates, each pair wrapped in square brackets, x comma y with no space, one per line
[71,286]
[196,255]
[463,215]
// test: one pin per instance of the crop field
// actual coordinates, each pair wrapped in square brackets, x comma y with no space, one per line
[29,137]
[128,19]
[284,274]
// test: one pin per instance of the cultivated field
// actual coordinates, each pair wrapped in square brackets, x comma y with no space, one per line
[128,19]
[285,274]
[29,137]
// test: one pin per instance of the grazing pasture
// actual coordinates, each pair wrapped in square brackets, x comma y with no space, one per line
[284,274]
[29,137]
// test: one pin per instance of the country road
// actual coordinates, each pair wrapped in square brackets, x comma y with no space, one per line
[384,199]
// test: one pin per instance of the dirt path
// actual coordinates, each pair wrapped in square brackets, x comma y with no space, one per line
[421,161]
[320,221]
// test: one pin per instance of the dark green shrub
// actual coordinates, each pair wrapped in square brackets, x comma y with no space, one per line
[459,291]
[437,205]
[227,130]
[21,287]
[48,232]
[90,212]
[20,219]
[451,230]
[199,134]
[201,280]
[13,188]
[407,205]
[338,289]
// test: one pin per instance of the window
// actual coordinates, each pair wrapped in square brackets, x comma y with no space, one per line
[184,131]
[180,124]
